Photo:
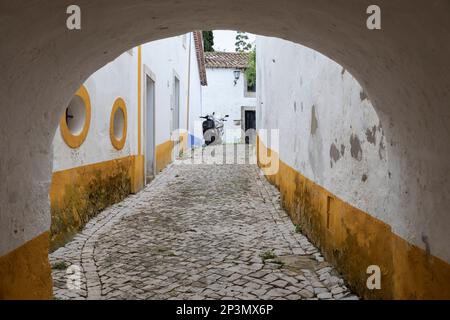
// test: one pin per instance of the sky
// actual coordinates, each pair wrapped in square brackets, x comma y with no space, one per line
[224,40]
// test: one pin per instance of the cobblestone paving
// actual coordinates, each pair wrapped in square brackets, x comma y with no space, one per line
[197,232]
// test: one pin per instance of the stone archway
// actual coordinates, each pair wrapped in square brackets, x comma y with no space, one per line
[404,69]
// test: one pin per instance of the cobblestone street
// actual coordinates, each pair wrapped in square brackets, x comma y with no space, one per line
[197,232]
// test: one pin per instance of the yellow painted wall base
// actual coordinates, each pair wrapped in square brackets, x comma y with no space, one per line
[164,151]
[352,240]
[25,273]
[163,155]
[78,194]
[137,175]
[183,142]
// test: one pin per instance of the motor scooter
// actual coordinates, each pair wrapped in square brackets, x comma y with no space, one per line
[213,128]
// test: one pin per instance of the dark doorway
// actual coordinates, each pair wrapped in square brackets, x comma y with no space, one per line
[250,124]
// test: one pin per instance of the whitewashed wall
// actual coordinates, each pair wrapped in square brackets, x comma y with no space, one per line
[329,130]
[116,79]
[330,133]
[223,97]
[195,100]
[165,58]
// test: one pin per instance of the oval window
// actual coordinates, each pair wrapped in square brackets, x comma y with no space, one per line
[75,122]
[76,115]
[118,124]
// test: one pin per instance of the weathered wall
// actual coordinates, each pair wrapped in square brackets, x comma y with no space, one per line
[223,97]
[335,176]
[95,175]
[404,68]
[329,130]
[80,193]
[352,239]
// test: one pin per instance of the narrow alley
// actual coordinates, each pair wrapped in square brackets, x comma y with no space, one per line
[214,231]
[192,150]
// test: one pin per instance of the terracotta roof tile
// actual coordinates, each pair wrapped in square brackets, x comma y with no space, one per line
[238,60]
[198,41]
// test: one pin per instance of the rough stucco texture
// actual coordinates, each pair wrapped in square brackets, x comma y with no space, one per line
[353,240]
[332,135]
[323,123]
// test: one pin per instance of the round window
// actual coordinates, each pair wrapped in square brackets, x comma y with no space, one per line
[76,115]
[74,124]
[118,124]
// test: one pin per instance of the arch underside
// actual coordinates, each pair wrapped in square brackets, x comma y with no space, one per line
[404,69]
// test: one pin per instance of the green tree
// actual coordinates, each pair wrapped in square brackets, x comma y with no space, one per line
[250,72]
[208,41]
[242,44]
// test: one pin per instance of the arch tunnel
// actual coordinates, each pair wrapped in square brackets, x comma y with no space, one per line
[403,68]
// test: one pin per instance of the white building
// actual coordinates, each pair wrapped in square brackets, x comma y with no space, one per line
[227,93]
[116,133]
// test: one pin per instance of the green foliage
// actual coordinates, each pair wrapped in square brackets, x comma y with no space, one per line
[61,265]
[208,41]
[242,44]
[298,228]
[161,249]
[270,257]
[267,255]
[250,72]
